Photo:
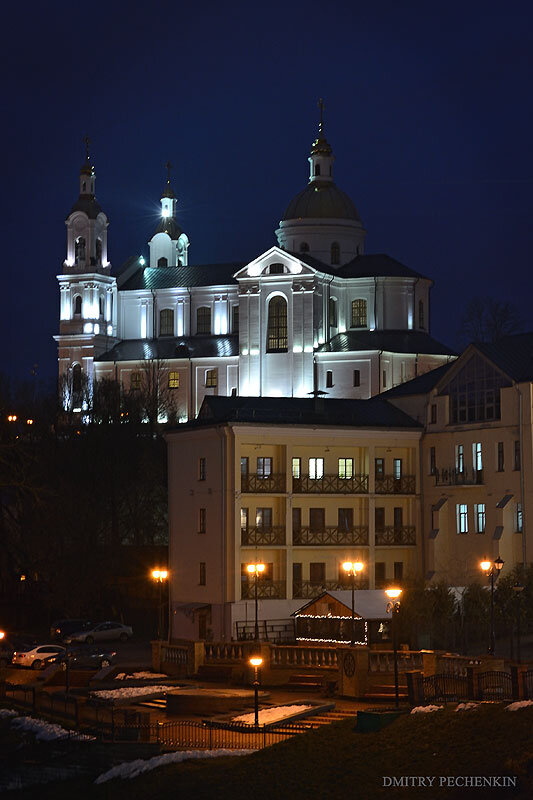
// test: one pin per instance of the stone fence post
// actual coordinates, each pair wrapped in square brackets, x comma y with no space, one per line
[472,673]
[415,687]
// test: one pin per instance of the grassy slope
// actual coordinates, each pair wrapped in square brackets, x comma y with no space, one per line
[337,762]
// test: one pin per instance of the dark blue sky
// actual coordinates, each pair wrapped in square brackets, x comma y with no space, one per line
[428,109]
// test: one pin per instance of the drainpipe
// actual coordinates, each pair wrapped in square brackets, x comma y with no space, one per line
[522,492]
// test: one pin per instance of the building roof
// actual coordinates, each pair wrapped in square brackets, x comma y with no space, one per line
[391,341]
[88,204]
[368,603]
[512,354]
[170,226]
[174,277]
[167,348]
[374,265]
[372,413]
[321,200]
[420,385]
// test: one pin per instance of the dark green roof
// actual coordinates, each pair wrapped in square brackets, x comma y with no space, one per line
[375,265]
[372,413]
[423,384]
[168,348]
[321,200]
[170,226]
[175,277]
[88,204]
[389,341]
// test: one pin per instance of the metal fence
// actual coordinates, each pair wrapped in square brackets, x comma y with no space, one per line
[445,688]
[495,685]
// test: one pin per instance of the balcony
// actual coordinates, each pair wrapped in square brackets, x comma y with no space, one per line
[266,590]
[331,535]
[330,484]
[454,477]
[388,484]
[252,482]
[273,535]
[396,535]
[307,590]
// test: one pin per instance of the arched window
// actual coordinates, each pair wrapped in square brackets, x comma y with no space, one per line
[162,262]
[77,305]
[335,253]
[332,312]
[79,249]
[166,322]
[276,269]
[101,306]
[76,378]
[359,319]
[203,320]
[304,247]
[317,169]
[421,314]
[277,325]
[98,251]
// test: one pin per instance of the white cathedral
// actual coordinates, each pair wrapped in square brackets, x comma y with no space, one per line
[312,315]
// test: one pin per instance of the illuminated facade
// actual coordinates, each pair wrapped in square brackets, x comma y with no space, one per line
[312,314]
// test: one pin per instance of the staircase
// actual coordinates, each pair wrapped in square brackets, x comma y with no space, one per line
[385,693]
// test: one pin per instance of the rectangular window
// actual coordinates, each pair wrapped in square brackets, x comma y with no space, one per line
[244,519]
[203,320]
[517,454]
[317,519]
[477,461]
[433,413]
[398,517]
[296,467]
[345,468]
[244,465]
[173,380]
[202,469]
[357,377]
[359,317]
[203,576]
[518,518]
[296,520]
[264,467]
[263,518]
[345,519]
[380,467]
[296,573]
[329,379]
[384,379]
[398,571]
[462,517]
[235,319]
[479,517]
[500,457]
[459,458]
[432,461]
[211,378]
[317,572]
[202,515]
[379,517]
[135,380]
[316,468]
[380,575]
[397,469]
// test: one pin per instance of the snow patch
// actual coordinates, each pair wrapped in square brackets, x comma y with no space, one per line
[122,676]
[466,706]
[131,769]
[271,714]
[47,731]
[425,709]
[6,713]
[130,691]
[519,704]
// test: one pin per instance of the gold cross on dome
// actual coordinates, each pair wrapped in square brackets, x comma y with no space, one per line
[321,106]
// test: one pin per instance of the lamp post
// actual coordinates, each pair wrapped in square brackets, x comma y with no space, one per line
[256,662]
[256,570]
[353,568]
[492,570]
[518,588]
[393,606]
[160,575]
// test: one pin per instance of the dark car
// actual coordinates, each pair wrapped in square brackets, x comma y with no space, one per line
[64,627]
[84,658]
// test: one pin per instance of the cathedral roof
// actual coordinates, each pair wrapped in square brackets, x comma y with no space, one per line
[170,226]
[391,341]
[422,384]
[174,277]
[375,265]
[321,200]
[170,347]
[88,204]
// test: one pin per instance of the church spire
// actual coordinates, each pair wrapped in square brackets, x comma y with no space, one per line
[321,158]
[168,198]
[87,176]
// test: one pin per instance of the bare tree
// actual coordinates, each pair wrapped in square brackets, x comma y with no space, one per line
[486,320]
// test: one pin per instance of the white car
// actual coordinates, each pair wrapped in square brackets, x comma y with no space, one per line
[103,632]
[36,656]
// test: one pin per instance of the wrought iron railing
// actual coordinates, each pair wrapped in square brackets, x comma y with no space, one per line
[331,535]
[495,685]
[266,590]
[396,534]
[454,477]
[388,484]
[306,590]
[273,535]
[445,688]
[252,482]
[331,484]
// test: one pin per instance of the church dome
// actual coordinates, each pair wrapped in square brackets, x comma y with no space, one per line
[321,200]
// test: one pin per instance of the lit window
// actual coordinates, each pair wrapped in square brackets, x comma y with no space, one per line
[166,322]
[462,517]
[211,379]
[518,518]
[397,469]
[316,468]
[135,380]
[296,467]
[359,318]
[380,467]
[477,461]
[244,465]
[263,518]
[459,458]
[264,467]
[335,253]
[244,519]
[202,469]
[479,517]
[203,320]
[173,380]
[345,468]
[277,325]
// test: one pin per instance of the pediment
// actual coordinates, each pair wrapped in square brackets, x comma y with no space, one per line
[272,264]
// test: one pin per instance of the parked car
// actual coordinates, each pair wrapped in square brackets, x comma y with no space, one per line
[64,627]
[84,658]
[36,656]
[103,632]
[8,645]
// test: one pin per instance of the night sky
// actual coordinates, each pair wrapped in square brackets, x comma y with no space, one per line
[428,110]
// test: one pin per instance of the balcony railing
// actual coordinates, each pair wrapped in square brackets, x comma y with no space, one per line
[388,484]
[396,534]
[252,482]
[331,535]
[331,484]
[307,590]
[273,535]
[266,590]
[454,477]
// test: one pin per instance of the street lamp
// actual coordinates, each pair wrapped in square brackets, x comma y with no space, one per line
[393,606]
[256,662]
[160,575]
[518,588]
[256,570]
[492,570]
[353,568]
